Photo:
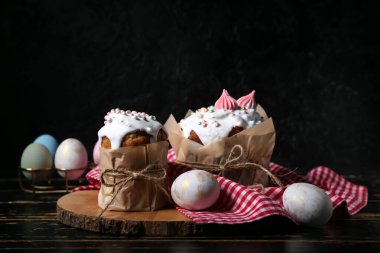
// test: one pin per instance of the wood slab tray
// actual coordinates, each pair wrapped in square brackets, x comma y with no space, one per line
[80,210]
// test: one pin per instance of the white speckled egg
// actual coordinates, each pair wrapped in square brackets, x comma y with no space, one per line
[71,154]
[195,190]
[308,204]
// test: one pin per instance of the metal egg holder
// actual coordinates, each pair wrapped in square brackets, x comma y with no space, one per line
[48,180]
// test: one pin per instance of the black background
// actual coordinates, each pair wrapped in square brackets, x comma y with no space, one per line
[314,65]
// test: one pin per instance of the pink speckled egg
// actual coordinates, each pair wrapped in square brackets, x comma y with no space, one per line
[96,153]
[195,190]
[71,155]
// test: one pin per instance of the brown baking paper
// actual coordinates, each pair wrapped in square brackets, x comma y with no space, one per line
[257,143]
[142,193]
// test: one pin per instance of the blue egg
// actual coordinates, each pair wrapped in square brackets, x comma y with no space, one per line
[49,142]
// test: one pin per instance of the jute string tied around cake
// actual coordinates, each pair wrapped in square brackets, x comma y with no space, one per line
[232,162]
[152,172]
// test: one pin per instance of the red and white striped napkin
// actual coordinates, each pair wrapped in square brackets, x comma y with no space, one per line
[240,204]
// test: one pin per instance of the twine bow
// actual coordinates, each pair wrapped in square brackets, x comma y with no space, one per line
[152,172]
[232,163]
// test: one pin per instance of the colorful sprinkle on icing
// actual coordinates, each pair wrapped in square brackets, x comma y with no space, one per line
[215,122]
[118,122]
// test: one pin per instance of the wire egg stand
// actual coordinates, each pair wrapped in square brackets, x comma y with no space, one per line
[48,180]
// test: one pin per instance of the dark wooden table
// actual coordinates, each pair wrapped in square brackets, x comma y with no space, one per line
[28,224]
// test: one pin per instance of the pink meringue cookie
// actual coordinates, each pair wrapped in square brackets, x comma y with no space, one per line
[226,102]
[248,101]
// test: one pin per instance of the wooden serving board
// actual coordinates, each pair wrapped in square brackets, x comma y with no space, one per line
[80,210]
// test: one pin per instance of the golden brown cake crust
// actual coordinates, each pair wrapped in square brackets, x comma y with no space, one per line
[162,135]
[235,130]
[106,143]
[134,139]
[194,136]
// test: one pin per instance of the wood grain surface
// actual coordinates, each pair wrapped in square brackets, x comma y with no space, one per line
[80,210]
[28,223]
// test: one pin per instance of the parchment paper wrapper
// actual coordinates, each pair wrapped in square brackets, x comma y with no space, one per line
[257,143]
[139,194]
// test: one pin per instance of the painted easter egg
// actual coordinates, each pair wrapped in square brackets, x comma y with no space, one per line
[36,157]
[49,142]
[195,190]
[308,204]
[71,155]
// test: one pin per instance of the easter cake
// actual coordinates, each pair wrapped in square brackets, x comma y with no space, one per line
[132,162]
[225,119]
[129,128]
[232,138]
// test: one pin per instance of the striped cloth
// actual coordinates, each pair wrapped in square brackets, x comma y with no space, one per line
[240,204]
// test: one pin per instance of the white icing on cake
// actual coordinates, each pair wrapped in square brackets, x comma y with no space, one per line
[211,124]
[118,123]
